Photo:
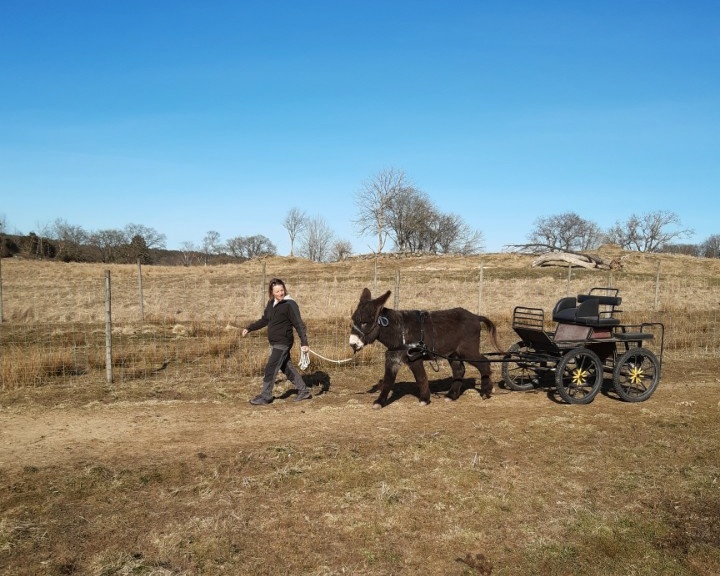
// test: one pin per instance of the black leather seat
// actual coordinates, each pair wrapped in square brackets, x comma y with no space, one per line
[585,310]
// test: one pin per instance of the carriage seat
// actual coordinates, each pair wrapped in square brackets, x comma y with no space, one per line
[585,310]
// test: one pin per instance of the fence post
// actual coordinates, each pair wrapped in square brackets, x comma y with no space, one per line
[397,289]
[480,288]
[262,287]
[375,274]
[140,290]
[1,298]
[108,330]
[567,290]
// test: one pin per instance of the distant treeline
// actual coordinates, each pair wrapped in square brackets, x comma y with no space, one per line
[33,246]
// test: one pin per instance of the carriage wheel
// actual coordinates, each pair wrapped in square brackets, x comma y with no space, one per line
[579,376]
[518,374]
[636,375]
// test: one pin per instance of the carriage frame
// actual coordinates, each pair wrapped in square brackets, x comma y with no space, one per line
[588,342]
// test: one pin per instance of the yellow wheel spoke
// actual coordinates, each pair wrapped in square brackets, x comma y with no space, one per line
[579,376]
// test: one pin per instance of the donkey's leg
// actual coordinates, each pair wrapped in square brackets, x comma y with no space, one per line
[418,370]
[393,359]
[458,371]
[486,386]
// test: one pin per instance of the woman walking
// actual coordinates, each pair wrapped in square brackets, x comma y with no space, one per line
[281,315]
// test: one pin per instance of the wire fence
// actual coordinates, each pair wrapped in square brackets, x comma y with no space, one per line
[170,323]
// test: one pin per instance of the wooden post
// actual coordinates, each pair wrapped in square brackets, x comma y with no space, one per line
[567,290]
[657,285]
[108,329]
[375,274]
[262,287]
[480,288]
[397,289]
[1,299]
[140,291]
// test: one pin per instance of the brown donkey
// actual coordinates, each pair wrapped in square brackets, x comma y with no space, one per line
[414,336]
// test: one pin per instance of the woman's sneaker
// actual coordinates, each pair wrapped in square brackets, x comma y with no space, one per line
[303,394]
[260,400]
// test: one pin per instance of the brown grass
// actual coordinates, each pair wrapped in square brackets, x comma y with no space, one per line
[169,471]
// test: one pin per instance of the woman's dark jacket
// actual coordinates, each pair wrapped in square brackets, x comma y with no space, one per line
[280,318]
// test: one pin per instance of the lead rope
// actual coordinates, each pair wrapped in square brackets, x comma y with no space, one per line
[305,359]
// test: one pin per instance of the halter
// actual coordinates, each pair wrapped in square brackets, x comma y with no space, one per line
[382,321]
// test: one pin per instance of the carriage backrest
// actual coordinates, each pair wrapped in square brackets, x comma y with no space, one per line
[597,308]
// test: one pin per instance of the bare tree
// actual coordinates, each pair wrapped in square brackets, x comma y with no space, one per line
[70,239]
[316,240]
[236,246]
[373,202]
[3,224]
[340,250]
[409,219]
[685,249]
[107,243]
[251,246]
[188,252]
[648,232]
[711,247]
[295,221]
[151,237]
[566,232]
[211,244]
[454,236]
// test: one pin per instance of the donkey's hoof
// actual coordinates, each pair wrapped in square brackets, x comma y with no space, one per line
[423,402]
[377,406]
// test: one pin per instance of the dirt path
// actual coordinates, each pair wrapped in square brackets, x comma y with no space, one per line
[52,436]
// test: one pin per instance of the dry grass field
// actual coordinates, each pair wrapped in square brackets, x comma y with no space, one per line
[169,471]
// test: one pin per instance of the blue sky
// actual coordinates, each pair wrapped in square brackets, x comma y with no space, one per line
[191,116]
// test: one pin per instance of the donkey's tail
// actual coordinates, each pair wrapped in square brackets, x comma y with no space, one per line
[492,331]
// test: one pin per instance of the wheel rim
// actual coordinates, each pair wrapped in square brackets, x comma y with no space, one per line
[519,376]
[579,376]
[636,375]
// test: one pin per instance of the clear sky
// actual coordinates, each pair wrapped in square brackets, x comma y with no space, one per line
[190,116]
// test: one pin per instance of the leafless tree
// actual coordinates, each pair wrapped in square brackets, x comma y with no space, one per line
[316,240]
[416,225]
[251,246]
[107,243]
[70,239]
[409,219]
[211,244]
[3,224]
[685,249]
[373,202]
[151,237]
[711,247]
[340,250]
[295,221]
[188,252]
[648,232]
[566,232]
[454,236]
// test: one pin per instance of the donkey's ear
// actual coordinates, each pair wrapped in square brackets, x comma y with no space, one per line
[365,295]
[382,299]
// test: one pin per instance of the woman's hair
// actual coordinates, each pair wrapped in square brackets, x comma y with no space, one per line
[275,282]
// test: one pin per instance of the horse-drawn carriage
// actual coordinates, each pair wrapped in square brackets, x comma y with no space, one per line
[588,342]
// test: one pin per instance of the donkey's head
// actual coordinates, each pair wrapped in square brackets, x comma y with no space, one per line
[366,319]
